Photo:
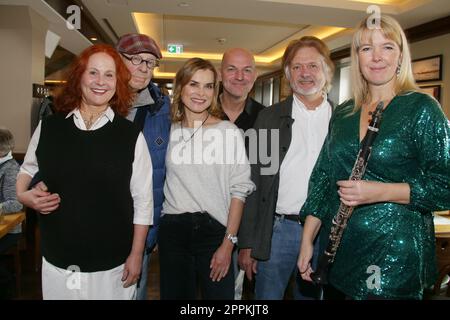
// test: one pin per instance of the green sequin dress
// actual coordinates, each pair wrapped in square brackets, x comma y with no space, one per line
[397,240]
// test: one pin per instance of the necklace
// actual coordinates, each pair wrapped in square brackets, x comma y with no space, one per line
[91,117]
[195,131]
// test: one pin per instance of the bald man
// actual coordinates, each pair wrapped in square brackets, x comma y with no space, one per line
[238,75]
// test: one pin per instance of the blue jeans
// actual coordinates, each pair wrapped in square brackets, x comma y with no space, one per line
[273,275]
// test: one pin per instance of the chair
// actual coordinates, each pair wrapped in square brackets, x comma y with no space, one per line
[12,245]
[13,250]
[443,263]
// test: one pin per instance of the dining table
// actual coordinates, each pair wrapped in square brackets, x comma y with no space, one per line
[9,221]
[442,233]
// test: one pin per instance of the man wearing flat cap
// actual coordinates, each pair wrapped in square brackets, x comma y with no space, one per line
[150,111]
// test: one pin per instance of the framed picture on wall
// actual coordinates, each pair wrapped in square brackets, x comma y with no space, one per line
[428,69]
[434,91]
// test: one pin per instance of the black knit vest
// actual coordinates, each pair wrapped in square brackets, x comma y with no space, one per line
[91,171]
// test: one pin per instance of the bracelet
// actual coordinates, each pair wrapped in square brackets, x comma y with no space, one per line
[232,238]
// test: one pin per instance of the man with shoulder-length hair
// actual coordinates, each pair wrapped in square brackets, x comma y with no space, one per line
[270,231]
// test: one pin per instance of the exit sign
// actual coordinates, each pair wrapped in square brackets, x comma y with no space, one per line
[175,48]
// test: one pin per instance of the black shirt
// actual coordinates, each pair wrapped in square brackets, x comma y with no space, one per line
[248,116]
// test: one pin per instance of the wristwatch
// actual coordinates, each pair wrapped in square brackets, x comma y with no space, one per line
[232,238]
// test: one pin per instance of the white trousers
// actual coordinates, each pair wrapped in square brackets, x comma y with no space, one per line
[61,284]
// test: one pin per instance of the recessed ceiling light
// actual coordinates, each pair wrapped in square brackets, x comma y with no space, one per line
[93,38]
[184,4]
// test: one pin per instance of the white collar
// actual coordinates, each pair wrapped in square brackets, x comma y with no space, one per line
[6,158]
[109,113]
[322,105]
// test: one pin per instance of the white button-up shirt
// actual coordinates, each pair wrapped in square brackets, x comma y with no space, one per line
[309,130]
[141,178]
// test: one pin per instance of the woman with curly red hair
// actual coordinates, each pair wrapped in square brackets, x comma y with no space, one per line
[71,96]
[95,199]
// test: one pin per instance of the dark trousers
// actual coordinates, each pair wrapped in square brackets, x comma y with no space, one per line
[331,293]
[187,243]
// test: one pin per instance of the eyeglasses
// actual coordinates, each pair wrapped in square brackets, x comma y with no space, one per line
[137,60]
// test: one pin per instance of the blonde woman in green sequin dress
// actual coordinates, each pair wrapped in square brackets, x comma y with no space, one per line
[388,248]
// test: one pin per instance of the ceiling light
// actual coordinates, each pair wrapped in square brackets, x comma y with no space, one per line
[55,81]
[184,5]
[93,38]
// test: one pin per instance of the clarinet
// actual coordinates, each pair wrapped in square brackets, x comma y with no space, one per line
[320,276]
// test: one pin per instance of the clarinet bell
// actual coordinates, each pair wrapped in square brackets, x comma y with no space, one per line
[320,276]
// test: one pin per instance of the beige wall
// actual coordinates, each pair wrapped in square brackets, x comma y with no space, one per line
[432,47]
[23,63]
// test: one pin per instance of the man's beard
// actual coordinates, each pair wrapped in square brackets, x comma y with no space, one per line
[314,90]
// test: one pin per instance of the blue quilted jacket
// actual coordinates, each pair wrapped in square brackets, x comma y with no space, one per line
[154,121]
